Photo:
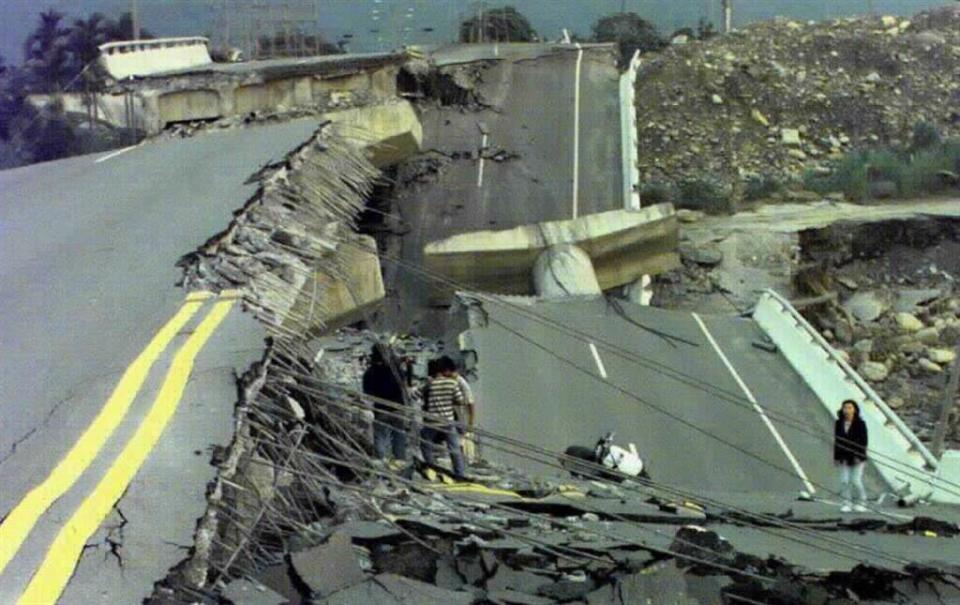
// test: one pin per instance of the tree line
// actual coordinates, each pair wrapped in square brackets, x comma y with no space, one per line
[629,31]
[56,55]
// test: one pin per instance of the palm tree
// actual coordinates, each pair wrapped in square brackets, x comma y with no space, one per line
[46,53]
[86,36]
[122,29]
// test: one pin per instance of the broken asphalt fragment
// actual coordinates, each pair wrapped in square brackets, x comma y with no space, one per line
[246,592]
[327,568]
[389,589]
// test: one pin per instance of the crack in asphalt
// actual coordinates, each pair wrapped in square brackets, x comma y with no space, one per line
[72,393]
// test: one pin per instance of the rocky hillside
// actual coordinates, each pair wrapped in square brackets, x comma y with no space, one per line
[776,99]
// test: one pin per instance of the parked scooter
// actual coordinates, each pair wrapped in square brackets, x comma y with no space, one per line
[623,462]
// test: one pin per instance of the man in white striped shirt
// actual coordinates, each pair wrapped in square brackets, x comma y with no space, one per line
[442,396]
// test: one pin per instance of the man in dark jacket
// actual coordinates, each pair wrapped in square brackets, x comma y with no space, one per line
[382,381]
[850,454]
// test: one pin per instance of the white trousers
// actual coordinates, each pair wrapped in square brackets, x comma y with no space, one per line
[852,476]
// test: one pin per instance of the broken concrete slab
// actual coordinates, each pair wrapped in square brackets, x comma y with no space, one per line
[522,581]
[279,579]
[662,583]
[367,532]
[248,592]
[512,597]
[329,567]
[410,559]
[389,589]
[622,245]
[389,132]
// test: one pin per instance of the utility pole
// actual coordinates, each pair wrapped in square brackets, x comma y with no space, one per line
[949,392]
[727,16]
[135,19]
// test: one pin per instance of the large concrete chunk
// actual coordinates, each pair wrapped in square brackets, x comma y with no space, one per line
[563,271]
[389,132]
[329,567]
[328,301]
[147,57]
[623,245]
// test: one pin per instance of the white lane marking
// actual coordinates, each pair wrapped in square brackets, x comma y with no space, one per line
[596,358]
[746,391]
[483,145]
[576,131]
[114,154]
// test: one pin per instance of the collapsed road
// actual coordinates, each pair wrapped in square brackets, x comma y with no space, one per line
[297,510]
[90,246]
[513,134]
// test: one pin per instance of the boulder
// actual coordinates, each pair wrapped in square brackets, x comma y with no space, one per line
[874,371]
[908,322]
[790,137]
[707,254]
[907,301]
[941,356]
[685,215]
[866,306]
[928,336]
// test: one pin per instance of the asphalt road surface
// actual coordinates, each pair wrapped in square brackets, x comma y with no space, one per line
[554,112]
[87,281]
[666,386]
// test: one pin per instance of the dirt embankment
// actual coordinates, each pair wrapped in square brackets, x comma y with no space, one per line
[779,98]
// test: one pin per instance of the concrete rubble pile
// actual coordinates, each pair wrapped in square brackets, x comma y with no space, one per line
[303,211]
[301,513]
[898,320]
[781,97]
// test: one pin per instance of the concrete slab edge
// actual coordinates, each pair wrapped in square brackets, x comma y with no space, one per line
[628,135]
[833,380]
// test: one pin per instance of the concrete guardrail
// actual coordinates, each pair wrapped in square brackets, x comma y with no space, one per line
[901,459]
[629,138]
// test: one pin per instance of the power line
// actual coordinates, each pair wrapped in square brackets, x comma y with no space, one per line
[398,411]
[797,423]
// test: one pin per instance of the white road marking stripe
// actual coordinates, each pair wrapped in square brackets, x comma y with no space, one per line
[746,391]
[114,154]
[576,131]
[596,358]
[483,145]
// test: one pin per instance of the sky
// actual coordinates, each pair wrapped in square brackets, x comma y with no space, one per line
[386,24]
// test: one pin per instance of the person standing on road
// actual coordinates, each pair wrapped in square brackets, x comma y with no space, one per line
[850,454]
[467,416]
[382,381]
[442,396]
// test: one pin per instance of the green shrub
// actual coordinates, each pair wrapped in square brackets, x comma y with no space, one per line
[656,192]
[760,187]
[913,174]
[706,195]
[925,135]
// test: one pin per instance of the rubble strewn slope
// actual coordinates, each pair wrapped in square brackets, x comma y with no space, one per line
[781,97]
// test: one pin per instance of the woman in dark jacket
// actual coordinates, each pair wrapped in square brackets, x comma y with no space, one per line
[850,453]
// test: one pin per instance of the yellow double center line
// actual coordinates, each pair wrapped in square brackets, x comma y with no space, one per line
[52,576]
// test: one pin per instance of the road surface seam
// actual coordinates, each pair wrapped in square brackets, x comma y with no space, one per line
[756,406]
[54,573]
[24,516]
